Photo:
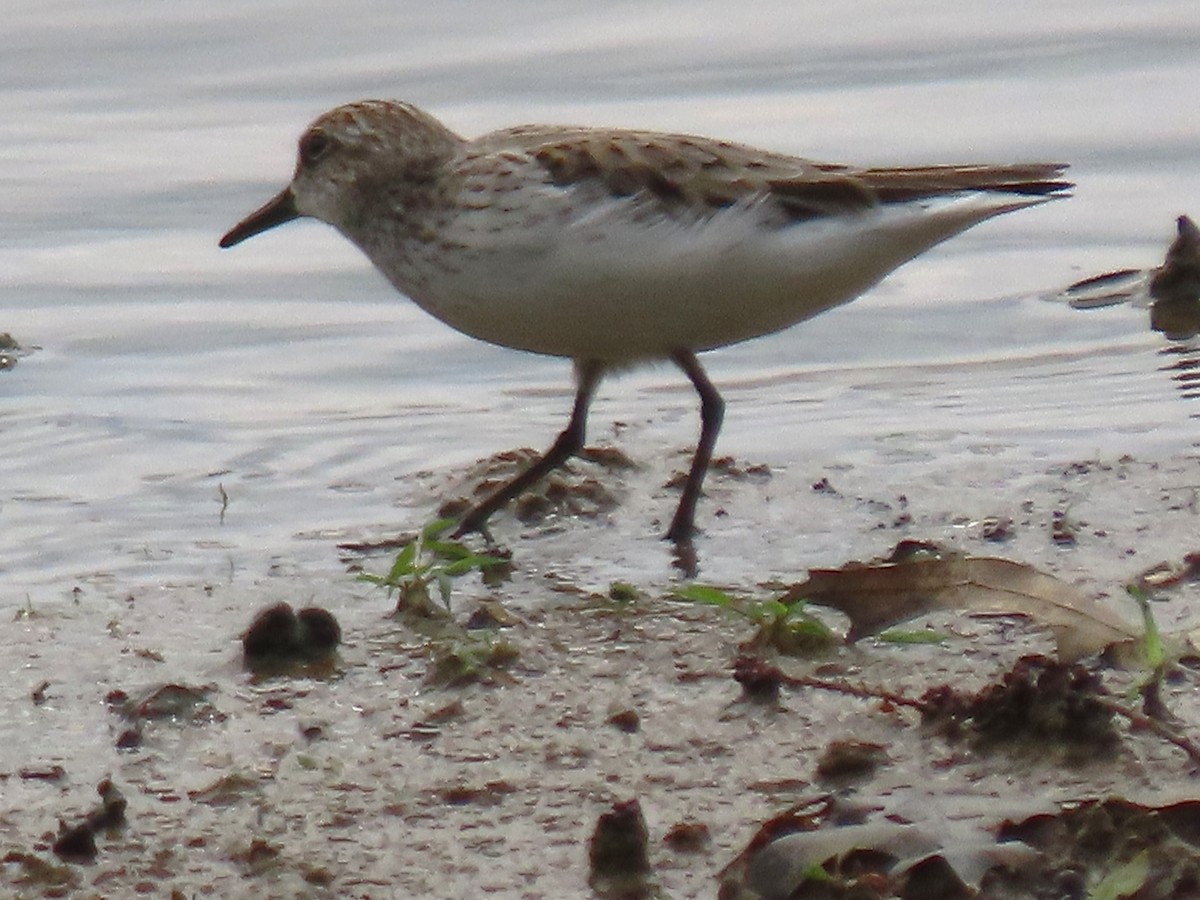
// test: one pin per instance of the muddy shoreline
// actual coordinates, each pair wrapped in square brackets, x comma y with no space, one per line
[381,781]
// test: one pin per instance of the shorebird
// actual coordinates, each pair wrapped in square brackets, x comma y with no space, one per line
[614,247]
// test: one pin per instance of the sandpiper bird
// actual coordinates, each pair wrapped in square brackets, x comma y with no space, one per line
[616,247]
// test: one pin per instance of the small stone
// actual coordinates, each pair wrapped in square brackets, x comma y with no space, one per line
[688,837]
[625,720]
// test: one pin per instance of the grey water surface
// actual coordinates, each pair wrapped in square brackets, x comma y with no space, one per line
[289,376]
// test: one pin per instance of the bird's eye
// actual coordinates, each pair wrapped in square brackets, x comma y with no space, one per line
[313,146]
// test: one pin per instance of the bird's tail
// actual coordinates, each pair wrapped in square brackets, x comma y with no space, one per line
[899,185]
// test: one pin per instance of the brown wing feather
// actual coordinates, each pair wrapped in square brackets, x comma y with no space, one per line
[693,177]
[690,177]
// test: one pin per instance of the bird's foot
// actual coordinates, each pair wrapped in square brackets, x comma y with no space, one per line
[684,558]
[683,528]
[474,521]
[681,534]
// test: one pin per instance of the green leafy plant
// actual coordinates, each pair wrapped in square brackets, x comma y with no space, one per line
[1153,652]
[429,561]
[1154,656]
[1123,881]
[785,627]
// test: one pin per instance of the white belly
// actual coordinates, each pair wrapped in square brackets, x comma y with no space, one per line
[619,290]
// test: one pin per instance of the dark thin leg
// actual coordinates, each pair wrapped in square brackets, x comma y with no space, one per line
[712,411]
[587,376]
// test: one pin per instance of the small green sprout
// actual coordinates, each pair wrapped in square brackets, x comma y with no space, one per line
[787,628]
[1153,652]
[1154,656]
[430,560]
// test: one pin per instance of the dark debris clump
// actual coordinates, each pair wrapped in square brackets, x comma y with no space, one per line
[618,853]
[1155,850]
[760,681]
[280,639]
[1040,701]
[77,843]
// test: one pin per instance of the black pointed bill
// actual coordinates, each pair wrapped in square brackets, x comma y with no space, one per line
[279,209]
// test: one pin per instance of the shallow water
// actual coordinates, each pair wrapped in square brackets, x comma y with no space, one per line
[195,430]
[287,374]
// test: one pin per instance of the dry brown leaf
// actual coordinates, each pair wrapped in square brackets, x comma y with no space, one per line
[876,596]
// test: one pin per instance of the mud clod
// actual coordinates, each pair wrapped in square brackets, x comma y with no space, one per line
[280,637]
[619,848]
[1041,703]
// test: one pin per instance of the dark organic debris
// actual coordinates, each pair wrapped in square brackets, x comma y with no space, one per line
[378,545]
[490,794]
[760,680]
[1177,280]
[1109,289]
[618,853]
[730,467]
[259,857]
[1172,290]
[447,712]
[77,843]
[317,875]
[850,760]
[569,491]
[823,486]
[1106,848]
[466,661]
[1167,575]
[934,878]
[1177,321]
[1075,707]
[111,811]
[688,837]
[48,773]
[1062,529]
[228,790]
[279,637]
[1041,703]
[491,615]
[626,720]
[180,702]
[996,528]
[608,457]
[32,871]
[560,496]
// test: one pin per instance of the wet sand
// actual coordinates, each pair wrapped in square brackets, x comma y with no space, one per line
[379,782]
